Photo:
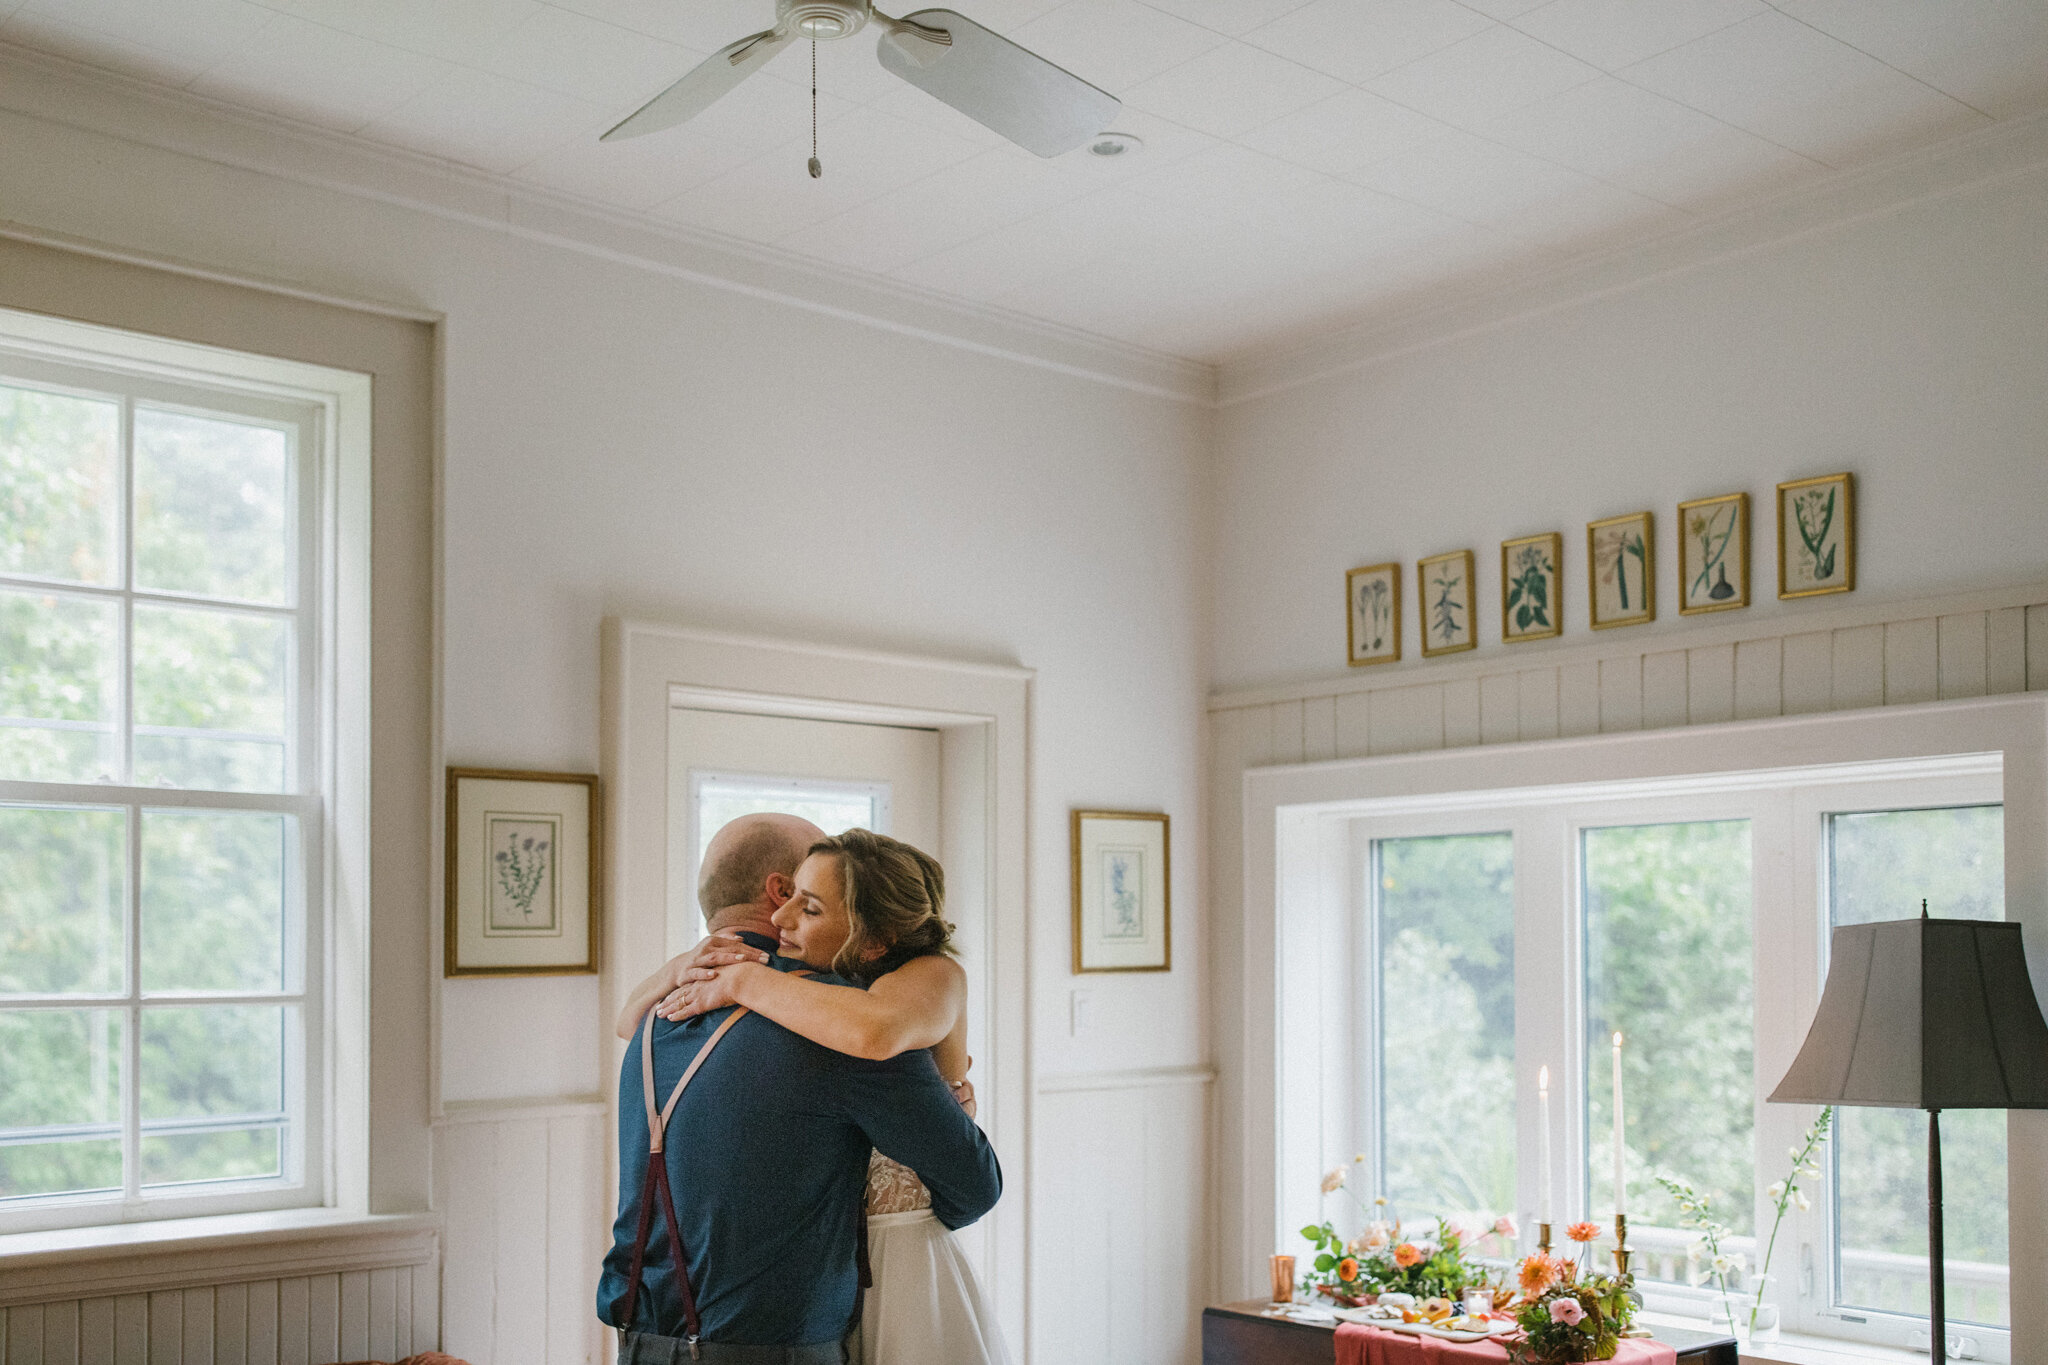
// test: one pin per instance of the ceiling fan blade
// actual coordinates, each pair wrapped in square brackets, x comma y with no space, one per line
[707,81]
[996,83]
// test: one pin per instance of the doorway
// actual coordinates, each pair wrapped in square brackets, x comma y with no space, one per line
[837,774]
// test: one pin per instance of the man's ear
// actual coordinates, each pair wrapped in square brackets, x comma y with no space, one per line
[780,886]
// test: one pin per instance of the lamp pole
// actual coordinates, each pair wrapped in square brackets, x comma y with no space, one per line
[1937,1260]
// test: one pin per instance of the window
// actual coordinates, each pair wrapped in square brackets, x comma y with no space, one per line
[1500,932]
[834,807]
[162,657]
[1446,1026]
[1881,865]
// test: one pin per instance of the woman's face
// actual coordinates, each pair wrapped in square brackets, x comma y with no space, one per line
[813,923]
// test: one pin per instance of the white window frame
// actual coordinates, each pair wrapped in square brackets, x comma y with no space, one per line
[325,796]
[1303,827]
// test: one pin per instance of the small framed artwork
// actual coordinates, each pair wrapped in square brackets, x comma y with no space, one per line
[1713,554]
[1817,536]
[1372,603]
[1621,571]
[1531,588]
[1447,602]
[523,880]
[1123,892]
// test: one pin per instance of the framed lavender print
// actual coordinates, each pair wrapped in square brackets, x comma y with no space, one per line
[1621,567]
[1713,554]
[522,879]
[1123,892]
[1448,602]
[1372,605]
[1817,536]
[1531,588]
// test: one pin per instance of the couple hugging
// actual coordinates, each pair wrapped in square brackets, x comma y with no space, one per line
[794,1113]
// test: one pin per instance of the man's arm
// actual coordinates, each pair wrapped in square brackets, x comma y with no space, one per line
[910,1116]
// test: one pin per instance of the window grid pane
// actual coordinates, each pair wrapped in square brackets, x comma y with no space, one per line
[1445,990]
[1881,865]
[170,657]
[1668,964]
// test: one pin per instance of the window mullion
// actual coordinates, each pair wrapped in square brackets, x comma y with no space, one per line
[125,676]
[131,1036]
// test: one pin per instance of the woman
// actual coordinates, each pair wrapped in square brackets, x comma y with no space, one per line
[868,907]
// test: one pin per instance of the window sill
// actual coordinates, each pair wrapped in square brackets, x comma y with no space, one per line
[182,1253]
[1795,1348]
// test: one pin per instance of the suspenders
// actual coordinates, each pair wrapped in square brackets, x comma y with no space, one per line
[656,1186]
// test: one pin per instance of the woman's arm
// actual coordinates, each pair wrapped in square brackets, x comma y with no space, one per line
[716,949]
[920,1004]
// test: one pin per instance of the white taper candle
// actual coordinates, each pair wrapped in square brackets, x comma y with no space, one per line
[1543,1143]
[1620,1203]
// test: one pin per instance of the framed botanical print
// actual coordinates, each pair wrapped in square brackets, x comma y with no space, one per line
[1531,588]
[523,876]
[1372,605]
[1713,554]
[1447,601]
[1621,571]
[1817,536]
[1123,892]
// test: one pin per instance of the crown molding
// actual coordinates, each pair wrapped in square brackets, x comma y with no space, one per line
[53,90]
[1943,169]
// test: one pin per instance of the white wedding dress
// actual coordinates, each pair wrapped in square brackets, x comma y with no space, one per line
[926,1306]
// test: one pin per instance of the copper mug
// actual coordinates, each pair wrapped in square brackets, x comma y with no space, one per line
[1283,1278]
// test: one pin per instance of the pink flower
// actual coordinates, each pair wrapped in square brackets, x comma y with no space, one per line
[1505,1226]
[1567,1311]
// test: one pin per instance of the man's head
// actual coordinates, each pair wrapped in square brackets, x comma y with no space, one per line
[750,869]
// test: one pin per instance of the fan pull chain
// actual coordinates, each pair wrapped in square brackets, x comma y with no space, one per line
[817,168]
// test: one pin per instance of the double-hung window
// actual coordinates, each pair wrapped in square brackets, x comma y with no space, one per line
[165,665]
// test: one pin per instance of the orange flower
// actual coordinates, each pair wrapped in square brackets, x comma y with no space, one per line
[1582,1232]
[1347,1269]
[1538,1274]
[1407,1254]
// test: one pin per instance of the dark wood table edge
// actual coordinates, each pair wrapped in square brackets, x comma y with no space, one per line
[1285,1340]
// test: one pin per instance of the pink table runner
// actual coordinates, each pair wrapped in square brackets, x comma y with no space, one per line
[1358,1344]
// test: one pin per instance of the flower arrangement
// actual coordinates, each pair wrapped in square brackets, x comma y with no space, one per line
[1786,1193]
[1382,1259]
[1566,1318]
[1710,1261]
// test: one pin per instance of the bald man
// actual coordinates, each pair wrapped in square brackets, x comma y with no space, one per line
[749,871]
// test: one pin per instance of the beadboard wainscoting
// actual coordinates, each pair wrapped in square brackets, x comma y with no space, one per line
[1834,658]
[521,1188]
[370,1290]
[1122,1221]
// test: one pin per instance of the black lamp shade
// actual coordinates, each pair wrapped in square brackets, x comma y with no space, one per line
[1924,1014]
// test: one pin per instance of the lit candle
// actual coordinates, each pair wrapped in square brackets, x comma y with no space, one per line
[1620,1205]
[1543,1142]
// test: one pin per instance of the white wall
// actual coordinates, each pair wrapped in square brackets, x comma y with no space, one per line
[1910,347]
[619,439]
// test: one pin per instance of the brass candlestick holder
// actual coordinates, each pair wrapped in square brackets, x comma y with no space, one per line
[1543,1238]
[1621,1247]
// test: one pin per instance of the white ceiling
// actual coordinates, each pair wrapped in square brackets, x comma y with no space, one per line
[1307,162]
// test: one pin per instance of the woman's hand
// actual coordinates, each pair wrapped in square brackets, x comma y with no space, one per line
[704,989]
[719,950]
[963,1090]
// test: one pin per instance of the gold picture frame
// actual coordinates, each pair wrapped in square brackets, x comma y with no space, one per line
[1532,588]
[1123,891]
[1446,604]
[1372,615]
[1610,544]
[1810,570]
[1708,530]
[524,874]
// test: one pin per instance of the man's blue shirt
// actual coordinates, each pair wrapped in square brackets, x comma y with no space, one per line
[768,1155]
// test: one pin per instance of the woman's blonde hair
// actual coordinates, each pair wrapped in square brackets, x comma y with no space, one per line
[895,896]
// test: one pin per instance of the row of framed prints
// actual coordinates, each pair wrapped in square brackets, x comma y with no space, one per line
[1816,555]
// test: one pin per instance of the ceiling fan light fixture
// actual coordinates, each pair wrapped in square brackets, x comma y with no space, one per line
[822,26]
[1115,144]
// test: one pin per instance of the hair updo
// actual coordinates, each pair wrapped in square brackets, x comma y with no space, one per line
[895,895]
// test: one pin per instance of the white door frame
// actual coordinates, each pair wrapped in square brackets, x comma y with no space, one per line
[981,712]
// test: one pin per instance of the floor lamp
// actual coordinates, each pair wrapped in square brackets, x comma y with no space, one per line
[1927,1014]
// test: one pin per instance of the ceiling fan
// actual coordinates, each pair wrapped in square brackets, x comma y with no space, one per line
[998,84]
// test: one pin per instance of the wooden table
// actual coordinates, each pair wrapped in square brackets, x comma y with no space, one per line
[1241,1334]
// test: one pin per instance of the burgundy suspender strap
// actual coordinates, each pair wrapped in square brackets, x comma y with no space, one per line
[656,1185]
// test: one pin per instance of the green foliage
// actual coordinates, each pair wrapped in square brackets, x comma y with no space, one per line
[59,485]
[1668,964]
[1447,1023]
[1603,1311]
[1529,588]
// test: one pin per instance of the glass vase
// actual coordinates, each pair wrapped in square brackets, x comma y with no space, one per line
[1736,1320]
